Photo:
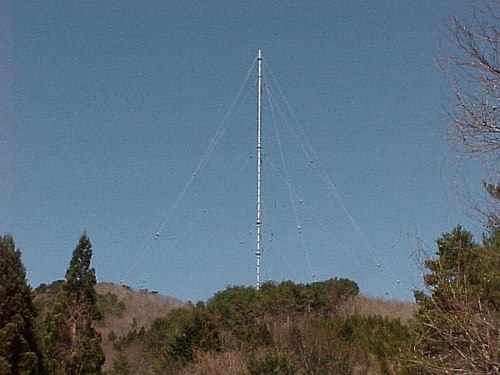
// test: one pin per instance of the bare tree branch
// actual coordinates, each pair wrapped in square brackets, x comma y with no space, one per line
[474,73]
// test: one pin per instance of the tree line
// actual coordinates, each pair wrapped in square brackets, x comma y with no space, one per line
[294,329]
[283,328]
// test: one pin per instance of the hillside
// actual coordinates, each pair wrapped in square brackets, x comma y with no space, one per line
[230,345]
[362,305]
[133,320]
[124,310]
[131,310]
[140,308]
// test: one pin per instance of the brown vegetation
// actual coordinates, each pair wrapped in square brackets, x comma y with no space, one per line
[342,340]
[362,305]
[226,363]
[140,308]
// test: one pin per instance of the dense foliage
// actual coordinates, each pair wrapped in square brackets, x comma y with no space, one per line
[19,352]
[284,328]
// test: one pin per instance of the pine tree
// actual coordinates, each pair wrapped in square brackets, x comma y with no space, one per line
[457,324]
[71,339]
[19,353]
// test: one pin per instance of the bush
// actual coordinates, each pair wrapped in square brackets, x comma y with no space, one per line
[269,364]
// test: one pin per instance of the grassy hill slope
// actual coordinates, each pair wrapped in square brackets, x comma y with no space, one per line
[127,310]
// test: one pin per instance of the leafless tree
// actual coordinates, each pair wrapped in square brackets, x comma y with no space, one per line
[474,72]
[466,332]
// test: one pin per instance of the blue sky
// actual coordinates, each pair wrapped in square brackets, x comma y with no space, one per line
[107,109]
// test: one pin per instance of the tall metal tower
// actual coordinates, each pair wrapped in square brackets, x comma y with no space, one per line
[258,222]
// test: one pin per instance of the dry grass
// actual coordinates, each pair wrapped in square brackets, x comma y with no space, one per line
[141,307]
[365,306]
[227,363]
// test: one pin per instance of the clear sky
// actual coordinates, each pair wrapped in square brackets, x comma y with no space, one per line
[108,108]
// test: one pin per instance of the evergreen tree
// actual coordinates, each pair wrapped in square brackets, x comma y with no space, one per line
[71,339]
[18,348]
[456,258]
[458,320]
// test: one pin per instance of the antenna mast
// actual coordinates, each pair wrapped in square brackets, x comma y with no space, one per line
[258,222]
